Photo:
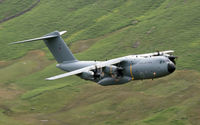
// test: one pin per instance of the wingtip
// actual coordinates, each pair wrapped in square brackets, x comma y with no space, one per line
[62,32]
[13,43]
[10,43]
[49,79]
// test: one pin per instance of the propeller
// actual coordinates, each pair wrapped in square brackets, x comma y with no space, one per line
[158,53]
[117,73]
[120,71]
[97,73]
[173,58]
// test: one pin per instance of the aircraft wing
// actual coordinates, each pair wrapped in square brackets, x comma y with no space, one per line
[156,53]
[88,68]
[75,72]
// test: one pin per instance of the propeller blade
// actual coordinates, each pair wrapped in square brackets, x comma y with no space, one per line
[172,58]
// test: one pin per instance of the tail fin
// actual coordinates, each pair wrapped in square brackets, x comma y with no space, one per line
[56,45]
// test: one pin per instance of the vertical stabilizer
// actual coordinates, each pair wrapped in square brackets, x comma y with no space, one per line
[58,48]
[56,45]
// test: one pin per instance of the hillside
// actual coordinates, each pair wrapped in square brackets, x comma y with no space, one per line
[99,30]
[16,8]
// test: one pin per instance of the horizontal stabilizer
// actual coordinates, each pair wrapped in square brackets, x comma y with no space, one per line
[39,38]
[35,39]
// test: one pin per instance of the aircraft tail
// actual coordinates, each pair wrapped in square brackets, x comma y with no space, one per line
[56,45]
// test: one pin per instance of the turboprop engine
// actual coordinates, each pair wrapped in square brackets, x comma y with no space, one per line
[113,71]
[87,75]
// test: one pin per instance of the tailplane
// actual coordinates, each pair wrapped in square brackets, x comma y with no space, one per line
[56,45]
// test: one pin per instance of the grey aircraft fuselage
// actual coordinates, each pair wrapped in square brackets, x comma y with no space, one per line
[112,72]
[134,68]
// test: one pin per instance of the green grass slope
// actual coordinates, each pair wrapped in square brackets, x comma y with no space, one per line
[10,8]
[98,30]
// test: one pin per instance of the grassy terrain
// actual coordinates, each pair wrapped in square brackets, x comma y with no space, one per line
[98,30]
[10,8]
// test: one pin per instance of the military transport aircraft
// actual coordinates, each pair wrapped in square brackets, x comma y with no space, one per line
[111,72]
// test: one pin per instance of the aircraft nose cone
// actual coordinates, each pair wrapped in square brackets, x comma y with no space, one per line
[171,67]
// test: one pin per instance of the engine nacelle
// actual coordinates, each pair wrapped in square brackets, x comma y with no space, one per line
[110,70]
[114,71]
[87,75]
